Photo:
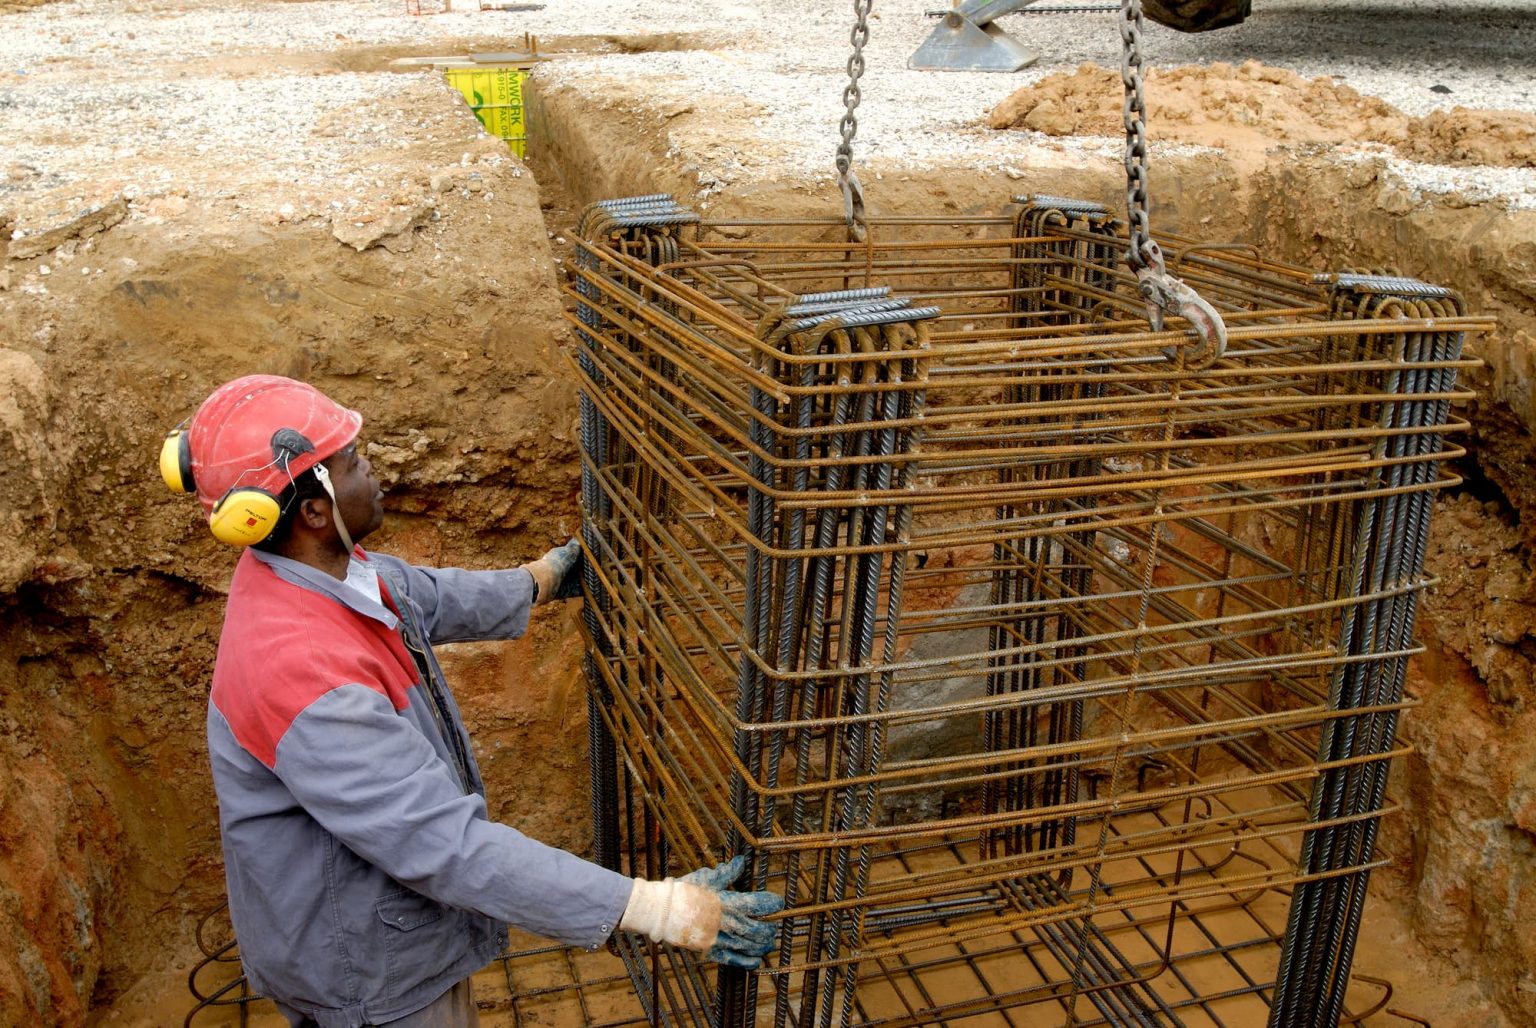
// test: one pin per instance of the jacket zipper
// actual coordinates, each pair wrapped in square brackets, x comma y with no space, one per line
[440,714]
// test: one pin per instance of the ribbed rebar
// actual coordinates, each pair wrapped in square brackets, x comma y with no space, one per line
[982,624]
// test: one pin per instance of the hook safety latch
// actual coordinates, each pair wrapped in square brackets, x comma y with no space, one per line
[1165,294]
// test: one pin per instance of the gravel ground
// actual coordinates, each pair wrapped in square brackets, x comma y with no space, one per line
[790,68]
[93,87]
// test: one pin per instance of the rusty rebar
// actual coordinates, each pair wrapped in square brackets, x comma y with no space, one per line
[927,576]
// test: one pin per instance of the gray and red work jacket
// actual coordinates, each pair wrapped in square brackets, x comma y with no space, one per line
[364,877]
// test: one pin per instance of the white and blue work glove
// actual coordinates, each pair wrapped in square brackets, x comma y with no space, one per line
[557,574]
[700,913]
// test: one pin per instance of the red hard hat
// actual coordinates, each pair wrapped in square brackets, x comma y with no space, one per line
[238,437]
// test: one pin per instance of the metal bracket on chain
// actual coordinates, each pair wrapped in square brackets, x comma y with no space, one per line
[853,206]
[1162,292]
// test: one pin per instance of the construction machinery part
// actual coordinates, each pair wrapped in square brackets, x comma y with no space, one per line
[1198,15]
[966,39]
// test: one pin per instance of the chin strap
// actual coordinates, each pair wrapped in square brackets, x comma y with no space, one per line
[324,477]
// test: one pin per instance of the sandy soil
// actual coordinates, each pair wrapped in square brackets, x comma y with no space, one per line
[109,839]
[1257,107]
[187,187]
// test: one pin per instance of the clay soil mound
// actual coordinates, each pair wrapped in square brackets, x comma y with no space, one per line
[1505,139]
[1257,107]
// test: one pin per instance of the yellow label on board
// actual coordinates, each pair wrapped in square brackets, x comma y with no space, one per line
[496,97]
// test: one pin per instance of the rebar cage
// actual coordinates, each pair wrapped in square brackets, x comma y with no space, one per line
[1031,662]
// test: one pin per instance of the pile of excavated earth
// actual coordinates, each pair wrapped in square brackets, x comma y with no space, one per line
[195,189]
[1257,107]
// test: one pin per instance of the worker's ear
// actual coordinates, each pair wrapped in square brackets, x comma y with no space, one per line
[316,512]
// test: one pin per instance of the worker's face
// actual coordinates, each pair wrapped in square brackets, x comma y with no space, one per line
[358,493]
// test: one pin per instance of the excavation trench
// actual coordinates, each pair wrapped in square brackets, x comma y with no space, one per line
[1290,204]
[447,332]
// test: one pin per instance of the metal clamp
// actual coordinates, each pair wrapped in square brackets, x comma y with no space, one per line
[1165,294]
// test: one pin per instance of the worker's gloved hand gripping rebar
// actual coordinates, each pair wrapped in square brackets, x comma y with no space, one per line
[700,913]
[557,574]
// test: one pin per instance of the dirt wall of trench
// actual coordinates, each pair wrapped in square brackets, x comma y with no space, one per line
[447,340]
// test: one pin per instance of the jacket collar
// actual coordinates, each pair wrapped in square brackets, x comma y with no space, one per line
[305,577]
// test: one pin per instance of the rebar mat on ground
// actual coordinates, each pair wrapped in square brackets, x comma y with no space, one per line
[540,984]
[1034,665]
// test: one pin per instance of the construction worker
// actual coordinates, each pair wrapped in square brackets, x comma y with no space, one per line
[366,883]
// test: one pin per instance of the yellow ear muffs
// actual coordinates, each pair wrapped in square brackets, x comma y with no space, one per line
[244,517]
[176,461]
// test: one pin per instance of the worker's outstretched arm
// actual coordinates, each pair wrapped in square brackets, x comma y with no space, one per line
[376,784]
[463,606]
[373,781]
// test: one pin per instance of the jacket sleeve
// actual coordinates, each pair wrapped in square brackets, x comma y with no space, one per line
[466,606]
[370,779]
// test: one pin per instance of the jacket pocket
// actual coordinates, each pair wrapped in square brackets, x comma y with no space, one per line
[416,947]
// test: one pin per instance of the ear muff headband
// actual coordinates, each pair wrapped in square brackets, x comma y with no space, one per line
[176,461]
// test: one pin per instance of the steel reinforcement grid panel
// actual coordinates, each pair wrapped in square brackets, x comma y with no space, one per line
[1049,668]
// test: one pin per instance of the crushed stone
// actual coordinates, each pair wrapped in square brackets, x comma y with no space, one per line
[255,106]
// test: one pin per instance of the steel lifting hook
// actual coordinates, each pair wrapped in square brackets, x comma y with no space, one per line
[1165,294]
[853,206]
[1162,292]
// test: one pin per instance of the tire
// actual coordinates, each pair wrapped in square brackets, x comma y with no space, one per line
[1196,15]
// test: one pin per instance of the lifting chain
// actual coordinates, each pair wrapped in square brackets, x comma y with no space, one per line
[1162,292]
[1144,251]
[847,181]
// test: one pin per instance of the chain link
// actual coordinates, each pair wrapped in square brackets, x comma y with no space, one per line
[1144,252]
[853,193]
[1161,292]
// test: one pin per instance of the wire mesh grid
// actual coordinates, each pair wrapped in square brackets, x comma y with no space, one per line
[985,621]
[530,983]
[1225,955]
